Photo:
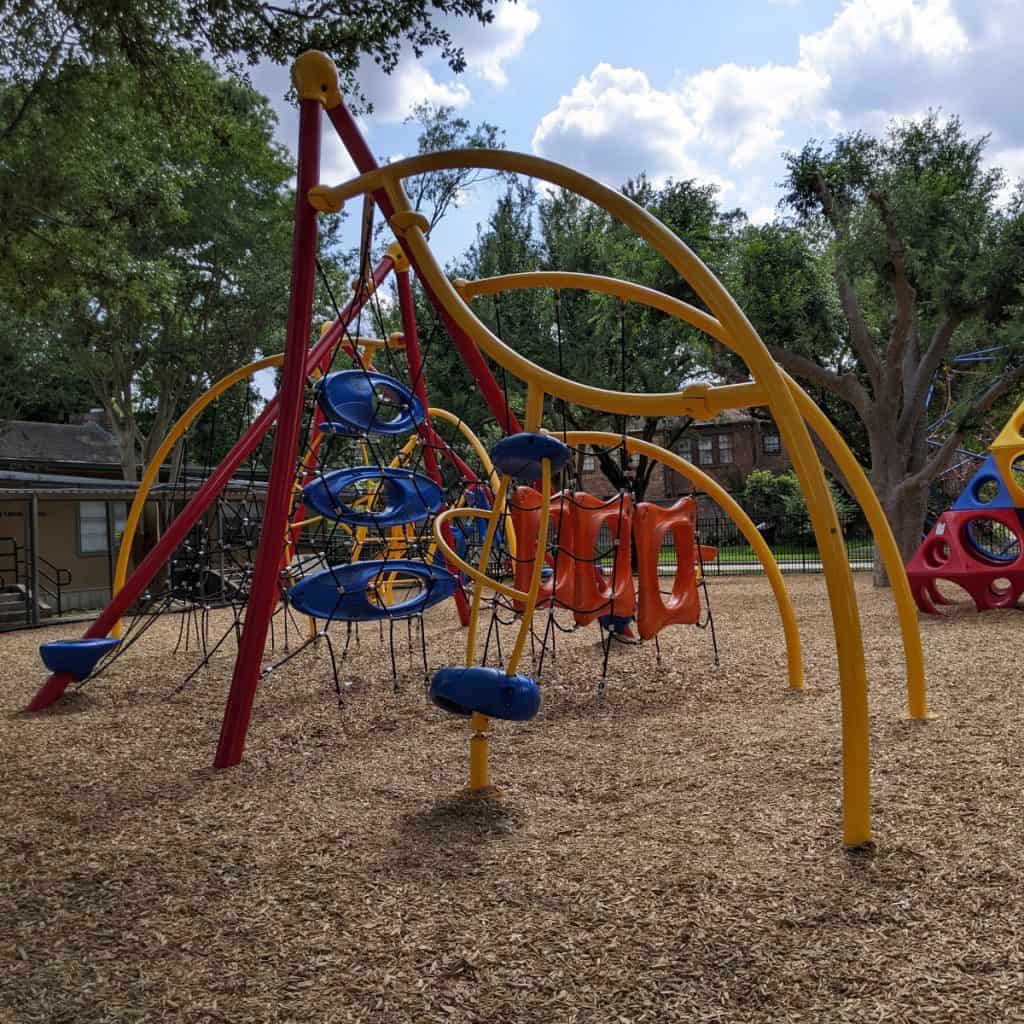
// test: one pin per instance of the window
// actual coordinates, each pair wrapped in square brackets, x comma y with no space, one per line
[634,459]
[92,526]
[589,463]
[725,448]
[771,444]
[707,455]
[686,449]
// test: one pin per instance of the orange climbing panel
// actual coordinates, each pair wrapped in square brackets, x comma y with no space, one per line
[650,525]
[595,595]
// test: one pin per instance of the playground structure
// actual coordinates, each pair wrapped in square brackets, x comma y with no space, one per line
[978,544]
[428,545]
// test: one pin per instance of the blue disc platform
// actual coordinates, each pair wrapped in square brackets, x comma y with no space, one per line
[487,690]
[341,592]
[519,455]
[405,496]
[970,499]
[367,402]
[77,658]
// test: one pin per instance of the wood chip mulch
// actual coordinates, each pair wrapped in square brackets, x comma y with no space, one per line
[671,853]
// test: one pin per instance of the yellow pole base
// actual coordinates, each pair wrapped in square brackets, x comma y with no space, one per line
[479,770]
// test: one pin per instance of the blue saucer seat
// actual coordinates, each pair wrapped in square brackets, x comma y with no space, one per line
[357,402]
[486,690]
[519,455]
[401,495]
[77,658]
[342,593]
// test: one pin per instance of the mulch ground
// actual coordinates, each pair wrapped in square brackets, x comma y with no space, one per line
[671,853]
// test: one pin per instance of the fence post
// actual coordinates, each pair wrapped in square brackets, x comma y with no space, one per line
[33,534]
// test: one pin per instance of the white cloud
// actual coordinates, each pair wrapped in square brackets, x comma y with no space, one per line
[876,60]
[488,48]
[394,95]
[614,125]
[742,110]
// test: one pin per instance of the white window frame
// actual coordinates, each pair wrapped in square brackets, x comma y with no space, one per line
[94,514]
[725,447]
[776,446]
[706,451]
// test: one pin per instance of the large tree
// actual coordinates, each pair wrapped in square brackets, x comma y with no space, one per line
[39,39]
[157,259]
[927,257]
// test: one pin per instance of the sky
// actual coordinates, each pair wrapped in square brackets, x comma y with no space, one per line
[715,91]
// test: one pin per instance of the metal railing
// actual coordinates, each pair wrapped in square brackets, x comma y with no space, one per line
[16,571]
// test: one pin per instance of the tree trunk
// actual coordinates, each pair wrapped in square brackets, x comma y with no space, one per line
[906,514]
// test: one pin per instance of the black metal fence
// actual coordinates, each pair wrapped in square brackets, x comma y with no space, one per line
[790,538]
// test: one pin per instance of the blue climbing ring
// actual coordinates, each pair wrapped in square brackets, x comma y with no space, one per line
[351,400]
[401,497]
[342,593]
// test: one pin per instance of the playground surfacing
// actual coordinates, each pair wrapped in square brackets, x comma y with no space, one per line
[670,853]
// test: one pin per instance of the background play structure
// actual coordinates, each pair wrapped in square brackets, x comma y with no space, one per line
[359,464]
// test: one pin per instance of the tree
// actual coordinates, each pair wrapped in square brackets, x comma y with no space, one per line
[436,193]
[925,260]
[159,258]
[40,40]
[589,337]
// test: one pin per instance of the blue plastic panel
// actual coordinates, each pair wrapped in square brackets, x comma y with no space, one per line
[340,593]
[489,691]
[352,402]
[402,496]
[970,500]
[76,657]
[519,455]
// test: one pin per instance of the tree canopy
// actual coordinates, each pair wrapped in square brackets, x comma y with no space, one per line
[926,253]
[150,261]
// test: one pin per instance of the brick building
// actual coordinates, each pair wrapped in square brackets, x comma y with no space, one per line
[727,448]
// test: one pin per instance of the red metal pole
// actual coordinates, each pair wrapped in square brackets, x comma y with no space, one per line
[265,578]
[365,161]
[179,527]
[410,334]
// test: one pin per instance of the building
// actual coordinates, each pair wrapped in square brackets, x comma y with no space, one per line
[60,486]
[727,448]
[63,507]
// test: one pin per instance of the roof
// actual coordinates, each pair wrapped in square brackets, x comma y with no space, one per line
[81,444]
[14,485]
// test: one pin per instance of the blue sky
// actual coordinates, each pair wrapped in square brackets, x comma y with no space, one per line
[714,91]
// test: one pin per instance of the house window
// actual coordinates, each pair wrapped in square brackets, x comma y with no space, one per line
[771,444]
[725,448]
[686,449]
[93,538]
[707,455]
[589,463]
[634,459]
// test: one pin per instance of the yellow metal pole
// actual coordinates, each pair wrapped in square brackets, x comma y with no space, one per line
[853,689]
[743,522]
[153,469]
[917,691]
[485,557]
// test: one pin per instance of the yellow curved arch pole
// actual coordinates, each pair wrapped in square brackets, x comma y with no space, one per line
[766,373]
[495,515]
[452,556]
[485,460]
[153,469]
[735,512]
[906,610]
